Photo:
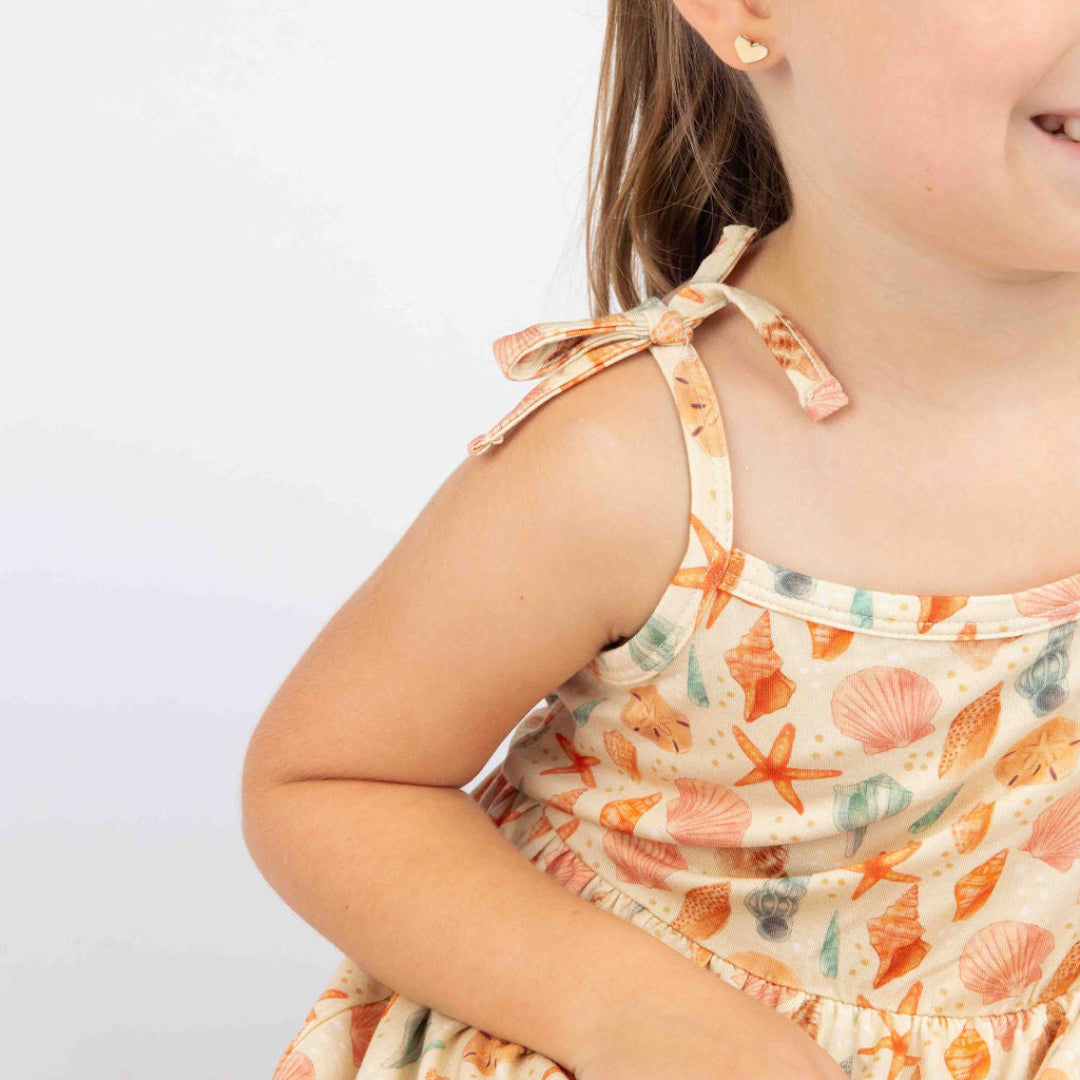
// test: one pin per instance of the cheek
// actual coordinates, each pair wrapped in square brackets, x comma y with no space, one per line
[918,96]
[898,120]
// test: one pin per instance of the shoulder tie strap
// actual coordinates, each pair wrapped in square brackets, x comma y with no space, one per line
[564,353]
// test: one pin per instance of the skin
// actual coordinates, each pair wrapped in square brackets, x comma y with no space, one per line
[936,186]
[933,258]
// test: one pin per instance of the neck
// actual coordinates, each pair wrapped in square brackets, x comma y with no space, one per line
[938,326]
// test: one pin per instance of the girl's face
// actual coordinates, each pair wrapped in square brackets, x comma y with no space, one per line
[918,115]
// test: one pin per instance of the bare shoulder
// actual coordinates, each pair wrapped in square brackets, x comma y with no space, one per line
[608,460]
[523,565]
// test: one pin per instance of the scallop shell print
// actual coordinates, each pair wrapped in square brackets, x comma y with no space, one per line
[707,814]
[1060,599]
[1004,958]
[645,862]
[885,707]
[295,1066]
[1055,836]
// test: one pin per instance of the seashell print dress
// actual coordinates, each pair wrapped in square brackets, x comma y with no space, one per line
[860,807]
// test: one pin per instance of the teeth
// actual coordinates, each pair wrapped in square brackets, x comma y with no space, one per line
[1062,126]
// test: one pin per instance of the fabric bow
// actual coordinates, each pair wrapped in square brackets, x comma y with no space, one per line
[564,353]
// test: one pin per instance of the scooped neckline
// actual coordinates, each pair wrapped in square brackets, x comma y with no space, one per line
[950,616]
[712,563]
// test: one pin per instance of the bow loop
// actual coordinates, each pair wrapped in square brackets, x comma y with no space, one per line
[561,354]
[564,353]
[542,347]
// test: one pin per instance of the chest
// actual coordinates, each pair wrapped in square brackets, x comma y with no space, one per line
[895,495]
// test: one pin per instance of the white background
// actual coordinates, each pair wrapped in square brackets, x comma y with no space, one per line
[255,254]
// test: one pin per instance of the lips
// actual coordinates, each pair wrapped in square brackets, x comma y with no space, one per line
[1063,112]
[1061,126]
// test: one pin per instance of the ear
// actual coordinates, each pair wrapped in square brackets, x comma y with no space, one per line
[720,22]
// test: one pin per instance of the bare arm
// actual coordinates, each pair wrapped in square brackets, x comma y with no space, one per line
[418,886]
[523,565]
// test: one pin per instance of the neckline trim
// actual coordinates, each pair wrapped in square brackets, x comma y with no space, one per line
[945,616]
[713,568]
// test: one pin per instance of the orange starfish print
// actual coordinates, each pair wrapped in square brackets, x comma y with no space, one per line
[707,578]
[880,868]
[579,763]
[774,769]
[896,1042]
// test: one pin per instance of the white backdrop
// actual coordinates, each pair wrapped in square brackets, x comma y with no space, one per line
[255,256]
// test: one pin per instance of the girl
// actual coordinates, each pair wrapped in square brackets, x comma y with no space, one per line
[801,567]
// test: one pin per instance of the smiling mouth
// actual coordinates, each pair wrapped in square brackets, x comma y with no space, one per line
[1058,126]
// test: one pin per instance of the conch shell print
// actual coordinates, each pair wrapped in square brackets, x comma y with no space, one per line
[934,609]
[896,936]
[755,665]
[1065,974]
[1045,681]
[622,815]
[976,886]
[968,831]
[623,753]
[774,904]
[828,642]
[752,862]
[967,1057]
[486,1053]
[858,805]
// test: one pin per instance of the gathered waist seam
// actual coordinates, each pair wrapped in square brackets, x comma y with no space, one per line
[598,882]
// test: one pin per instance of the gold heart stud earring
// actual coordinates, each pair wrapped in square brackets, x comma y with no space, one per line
[748,50]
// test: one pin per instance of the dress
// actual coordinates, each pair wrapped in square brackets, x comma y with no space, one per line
[860,807]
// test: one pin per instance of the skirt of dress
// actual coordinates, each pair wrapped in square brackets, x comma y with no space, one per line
[361,1029]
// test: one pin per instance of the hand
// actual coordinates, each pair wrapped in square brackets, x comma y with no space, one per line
[704,1035]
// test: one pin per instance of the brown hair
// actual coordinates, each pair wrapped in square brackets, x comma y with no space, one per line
[700,156]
